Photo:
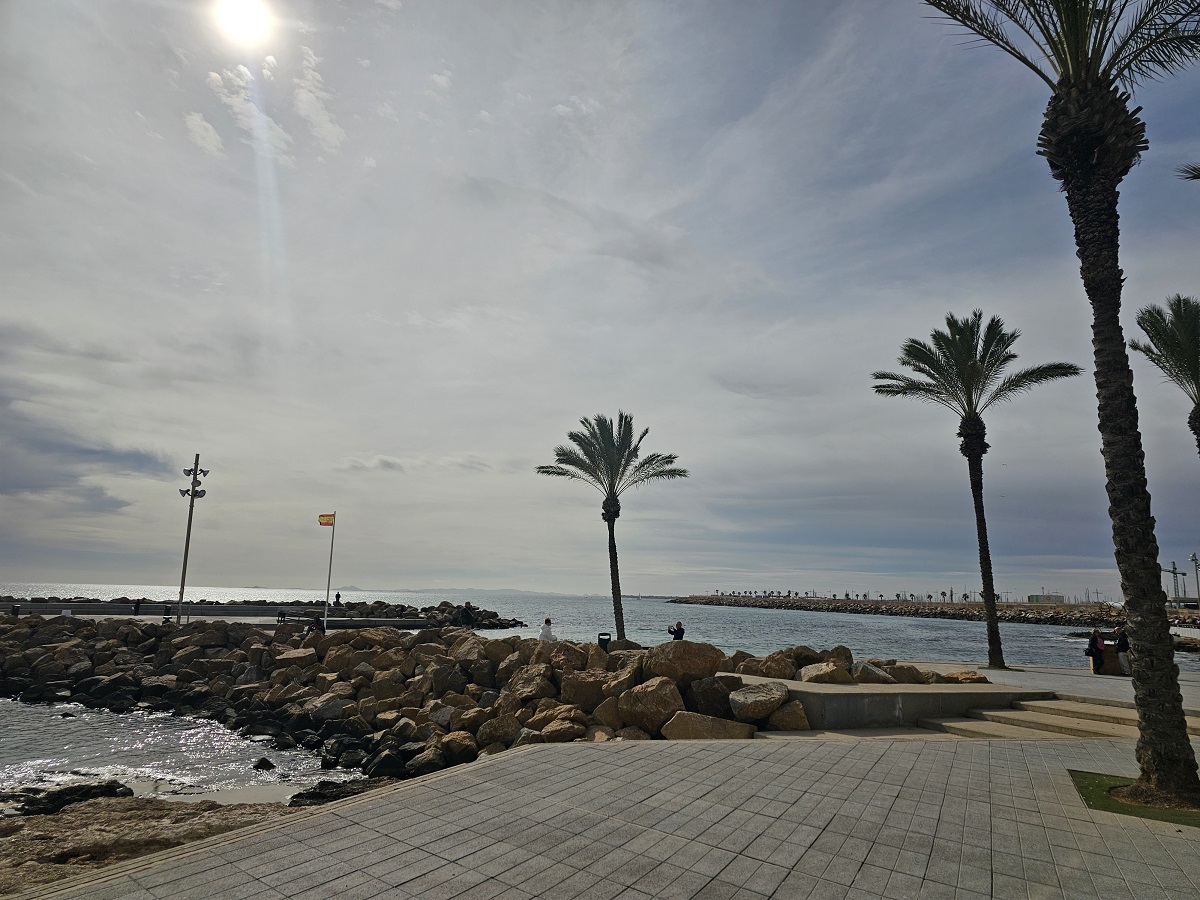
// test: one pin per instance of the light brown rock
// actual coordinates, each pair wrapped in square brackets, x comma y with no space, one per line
[650,705]
[789,717]
[561,731]
[532,681]
[778,665]
[585,689]
[826,673]
[609,713]
[968,676]
[690,726]
[682,661]
[866,673]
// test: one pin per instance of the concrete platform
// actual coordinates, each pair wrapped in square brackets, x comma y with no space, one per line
[841,706]
[701,820]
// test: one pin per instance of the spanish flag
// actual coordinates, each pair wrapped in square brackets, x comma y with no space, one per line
[326,519]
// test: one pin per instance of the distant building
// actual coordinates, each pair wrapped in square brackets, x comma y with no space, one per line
[1054,599]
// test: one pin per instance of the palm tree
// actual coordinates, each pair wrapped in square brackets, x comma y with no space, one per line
[1189,172]
[1091,54]
[1174,347]
[963,370]
[607,459]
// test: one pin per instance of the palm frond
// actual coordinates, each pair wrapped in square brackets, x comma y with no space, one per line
[1189,172]
[974,17]
[1174,342]
[1025,379]
[654,467]
[1161,38]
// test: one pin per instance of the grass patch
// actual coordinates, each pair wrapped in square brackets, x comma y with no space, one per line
[1094,789]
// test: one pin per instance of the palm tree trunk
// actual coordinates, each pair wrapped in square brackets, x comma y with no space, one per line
[995,649]
[618,609]
[1164,752]
[973,445]
[1194,424]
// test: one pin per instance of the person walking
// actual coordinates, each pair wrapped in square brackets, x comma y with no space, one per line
[1123,650]
[1095,649]
[675,631]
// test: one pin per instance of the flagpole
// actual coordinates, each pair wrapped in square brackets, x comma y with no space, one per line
[329,577]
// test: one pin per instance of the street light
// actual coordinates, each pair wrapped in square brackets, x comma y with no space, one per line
[192,492]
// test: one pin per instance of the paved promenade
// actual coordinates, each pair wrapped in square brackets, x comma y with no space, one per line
[705,820]
[710,820]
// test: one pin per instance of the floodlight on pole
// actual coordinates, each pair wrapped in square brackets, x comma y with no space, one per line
[193,493]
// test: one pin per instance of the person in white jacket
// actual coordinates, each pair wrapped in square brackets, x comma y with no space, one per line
[546,634]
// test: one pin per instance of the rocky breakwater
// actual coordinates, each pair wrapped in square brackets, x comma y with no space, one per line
[1091,616]
[399,704]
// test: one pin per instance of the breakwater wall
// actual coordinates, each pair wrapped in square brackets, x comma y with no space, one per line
[1079,616]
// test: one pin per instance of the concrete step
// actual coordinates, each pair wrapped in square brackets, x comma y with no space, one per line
[988,731]
[1095,712]
[1059,724]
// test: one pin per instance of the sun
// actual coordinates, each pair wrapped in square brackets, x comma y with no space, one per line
[247,23]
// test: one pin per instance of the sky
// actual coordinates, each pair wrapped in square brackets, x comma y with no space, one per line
[381,262]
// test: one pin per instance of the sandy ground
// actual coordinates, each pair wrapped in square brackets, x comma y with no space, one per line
[39,849]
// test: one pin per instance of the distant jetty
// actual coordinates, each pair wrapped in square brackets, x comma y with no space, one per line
[1091,616]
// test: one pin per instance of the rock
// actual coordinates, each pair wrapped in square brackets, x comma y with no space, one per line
[532,682]
[264,765]
[905,674]
[650,705]
[328,791]
[966,677]
[789,717]
[430,760]
[690,726]
[459,747]
[44,803]
[502,729]
[778,665]
[599,733]
[710,696]
[302,658]
[840,655]
[826,673]
[562,731]
[682,661]
[867,673]
[632,733]
[585,689]
[528,736]
[565,656]
[757,701]
[608,713]
[329,706]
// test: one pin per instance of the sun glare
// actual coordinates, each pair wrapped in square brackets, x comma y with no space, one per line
[246,23]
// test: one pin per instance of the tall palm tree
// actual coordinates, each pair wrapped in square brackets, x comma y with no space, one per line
[1174,347]
[607,459]
[1091,54]
[962,369]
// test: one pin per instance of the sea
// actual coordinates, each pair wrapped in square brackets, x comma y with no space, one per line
[190,758]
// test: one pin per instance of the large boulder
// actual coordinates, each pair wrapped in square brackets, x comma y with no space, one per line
[459,747]
[330,706]
[789,716]
[624,678]
[690,726]
[682,661]
[502,729]
[585,689]
[567,657]
[840,655]
[532,682]
[563,730]
[826,673]
[757,701]
[710,696]
[866,673]
[302,658]
[650,705]
[966,677]
[778,665]
[608,713]
[905,674]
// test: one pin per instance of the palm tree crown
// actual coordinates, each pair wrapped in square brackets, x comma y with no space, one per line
[1174,342]
[963,367]
[607,458]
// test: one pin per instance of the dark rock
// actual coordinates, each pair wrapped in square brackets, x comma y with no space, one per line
[328,791]
[44,803]
[264,765]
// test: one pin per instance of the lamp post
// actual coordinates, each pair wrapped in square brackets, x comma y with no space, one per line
[192,492]
[1196,562]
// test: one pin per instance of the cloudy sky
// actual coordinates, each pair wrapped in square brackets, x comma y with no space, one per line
[382,263]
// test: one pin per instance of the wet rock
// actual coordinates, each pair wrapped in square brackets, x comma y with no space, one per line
[264,765]
[38,802]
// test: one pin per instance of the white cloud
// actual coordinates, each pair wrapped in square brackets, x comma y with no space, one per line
[264,133]
[485,117]
[369,162]
[203,135]
[390,4]
[365,63]
[387,111]
[443,80]
[309,103]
